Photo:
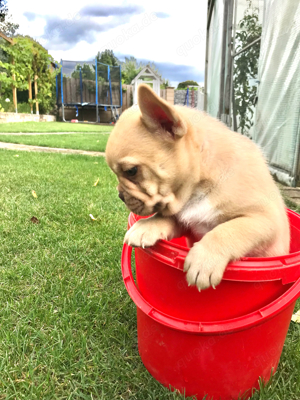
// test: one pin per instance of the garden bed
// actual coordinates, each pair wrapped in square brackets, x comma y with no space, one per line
[6,117]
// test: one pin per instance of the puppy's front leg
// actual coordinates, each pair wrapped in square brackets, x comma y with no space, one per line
[146,232]
[207,260]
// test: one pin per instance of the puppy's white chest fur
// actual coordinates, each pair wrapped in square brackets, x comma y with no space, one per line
[199,215]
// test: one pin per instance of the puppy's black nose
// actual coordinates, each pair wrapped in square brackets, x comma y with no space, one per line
[157,206]
[121,196]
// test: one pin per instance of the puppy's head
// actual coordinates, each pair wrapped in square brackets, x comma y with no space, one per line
[146,151]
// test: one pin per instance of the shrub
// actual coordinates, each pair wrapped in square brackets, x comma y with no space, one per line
[183,85]
[6,106]
[24,108]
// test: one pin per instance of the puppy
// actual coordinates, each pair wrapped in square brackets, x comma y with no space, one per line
[194,174]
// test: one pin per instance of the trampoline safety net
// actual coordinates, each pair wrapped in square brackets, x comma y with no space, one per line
[89,83]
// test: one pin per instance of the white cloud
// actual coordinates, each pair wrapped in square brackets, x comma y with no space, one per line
[177,37]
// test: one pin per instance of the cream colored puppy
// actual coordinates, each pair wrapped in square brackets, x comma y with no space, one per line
[195,175]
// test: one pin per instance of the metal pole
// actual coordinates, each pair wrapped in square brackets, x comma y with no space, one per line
[210,10]
[296,166]
[81,87]
[110,91]
[227,98]
[62,92]
[96,72]
[121,91]
[247,47]
[56,79]
[223,58]
[193,100]
[108,84]
[232,97]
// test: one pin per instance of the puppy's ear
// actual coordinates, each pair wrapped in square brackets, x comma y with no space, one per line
[157,113]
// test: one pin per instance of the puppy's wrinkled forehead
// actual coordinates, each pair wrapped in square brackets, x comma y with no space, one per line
[129,143]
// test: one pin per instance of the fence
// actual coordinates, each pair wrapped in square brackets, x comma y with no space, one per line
[127,96]
[105,116]
[195,100]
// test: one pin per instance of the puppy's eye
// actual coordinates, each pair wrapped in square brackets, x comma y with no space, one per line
[131,171]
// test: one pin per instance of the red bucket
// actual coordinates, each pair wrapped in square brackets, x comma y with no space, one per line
[224,359]
[247,285]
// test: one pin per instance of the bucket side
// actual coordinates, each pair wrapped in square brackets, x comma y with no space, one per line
[222,366]
[167,290]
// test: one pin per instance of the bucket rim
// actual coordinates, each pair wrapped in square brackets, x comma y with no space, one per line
[204,328]
[247,269]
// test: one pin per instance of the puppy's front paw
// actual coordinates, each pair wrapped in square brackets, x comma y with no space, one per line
[204,268]
[144,233]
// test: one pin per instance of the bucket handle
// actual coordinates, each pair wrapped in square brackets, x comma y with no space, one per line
[248,270]
[205,328]
[141,303]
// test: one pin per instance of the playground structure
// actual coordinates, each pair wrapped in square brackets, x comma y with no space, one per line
[88,85]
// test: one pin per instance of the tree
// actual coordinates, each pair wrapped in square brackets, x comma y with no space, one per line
[165,84]
[30,60]
[7,26]
[3,10]
[130,68]
[107,57]
[246,67]
[184,85]
[86,72]
[88,76]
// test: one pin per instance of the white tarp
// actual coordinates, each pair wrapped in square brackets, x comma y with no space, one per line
[277,129]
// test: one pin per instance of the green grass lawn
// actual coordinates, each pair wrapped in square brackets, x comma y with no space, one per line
[81,141]
[68,326]
[27,127]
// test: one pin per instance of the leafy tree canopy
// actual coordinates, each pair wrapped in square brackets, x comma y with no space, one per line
[183,85]
[30,59]
[7,26]
[3,10]
[165,84]
[131,67]
[87,72]
[108,57]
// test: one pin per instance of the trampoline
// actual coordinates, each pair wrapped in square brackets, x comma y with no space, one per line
[89,85]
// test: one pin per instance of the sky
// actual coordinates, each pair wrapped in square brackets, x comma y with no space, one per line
[169,33]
